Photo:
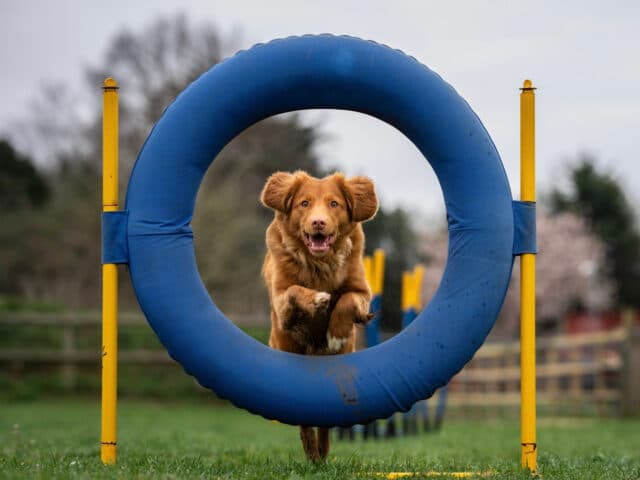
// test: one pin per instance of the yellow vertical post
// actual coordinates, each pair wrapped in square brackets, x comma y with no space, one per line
[108,435]
[528,286]
[418,275]
[405,296]
[368,271]
[378,271]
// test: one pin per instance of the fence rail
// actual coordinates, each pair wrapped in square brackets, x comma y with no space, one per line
[52,356]
[77,319]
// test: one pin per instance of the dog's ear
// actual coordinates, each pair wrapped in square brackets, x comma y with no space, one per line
[361,198]
[279,190]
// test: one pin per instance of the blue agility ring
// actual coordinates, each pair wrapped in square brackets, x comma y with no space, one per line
[320,72]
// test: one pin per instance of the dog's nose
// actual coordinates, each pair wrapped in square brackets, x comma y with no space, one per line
[318,224]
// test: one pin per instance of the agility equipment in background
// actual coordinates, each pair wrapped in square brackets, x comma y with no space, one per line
[486,229]
[374,274]
[411,305]
[374,271]
[411,300]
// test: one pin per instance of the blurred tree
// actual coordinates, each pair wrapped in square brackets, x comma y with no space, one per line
[394,233]
[598,197]
[152,66]
[21,186]
[23,193]
[55,255]
[52,253]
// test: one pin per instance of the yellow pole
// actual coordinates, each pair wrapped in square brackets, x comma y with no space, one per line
[109,276]
[418,275]
[405,296]
[528,286]
[378,271]
[368,271]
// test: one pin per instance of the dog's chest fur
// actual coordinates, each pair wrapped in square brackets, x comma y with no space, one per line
[324,274]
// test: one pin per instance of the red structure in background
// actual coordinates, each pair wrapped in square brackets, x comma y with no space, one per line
[595,322]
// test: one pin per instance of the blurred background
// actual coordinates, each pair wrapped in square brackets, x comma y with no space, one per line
[581,56]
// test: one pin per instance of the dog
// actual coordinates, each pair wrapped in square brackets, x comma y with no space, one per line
[313,268]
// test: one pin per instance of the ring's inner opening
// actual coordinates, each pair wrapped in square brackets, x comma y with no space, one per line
[229,221]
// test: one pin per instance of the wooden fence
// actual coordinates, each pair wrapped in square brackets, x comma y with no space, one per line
[588,373]
[70,351]
[595,373]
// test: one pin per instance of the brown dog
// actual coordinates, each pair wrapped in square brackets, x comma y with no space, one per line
[313,268]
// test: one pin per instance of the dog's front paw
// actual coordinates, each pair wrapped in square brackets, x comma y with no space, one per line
[321,301]
[335,344]
[309,301]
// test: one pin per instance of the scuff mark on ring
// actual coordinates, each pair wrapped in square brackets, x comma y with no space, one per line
[344,378]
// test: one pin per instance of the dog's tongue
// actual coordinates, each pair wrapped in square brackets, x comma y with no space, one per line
[319,241]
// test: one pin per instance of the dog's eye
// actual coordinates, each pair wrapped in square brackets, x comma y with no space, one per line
[305,203]
[333,204]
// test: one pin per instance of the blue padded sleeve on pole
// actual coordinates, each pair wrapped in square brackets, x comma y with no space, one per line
[114,237]
[304,73]
[524,219]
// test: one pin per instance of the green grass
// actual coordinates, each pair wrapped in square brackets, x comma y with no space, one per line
[56,439]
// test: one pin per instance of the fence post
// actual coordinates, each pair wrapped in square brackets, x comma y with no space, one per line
[630,365]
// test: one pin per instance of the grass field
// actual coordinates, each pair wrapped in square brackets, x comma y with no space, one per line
[60,440]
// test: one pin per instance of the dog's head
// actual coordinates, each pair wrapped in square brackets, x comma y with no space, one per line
[319,212]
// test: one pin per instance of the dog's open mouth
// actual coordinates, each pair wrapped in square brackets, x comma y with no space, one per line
[318,242]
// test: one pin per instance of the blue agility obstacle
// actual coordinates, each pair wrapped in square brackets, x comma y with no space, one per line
[302,73]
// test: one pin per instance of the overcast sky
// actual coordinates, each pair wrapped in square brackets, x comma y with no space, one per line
[582,55]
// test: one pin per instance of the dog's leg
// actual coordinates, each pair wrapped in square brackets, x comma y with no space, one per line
[351,308]
[323,442]
[310,302]
[309,443]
